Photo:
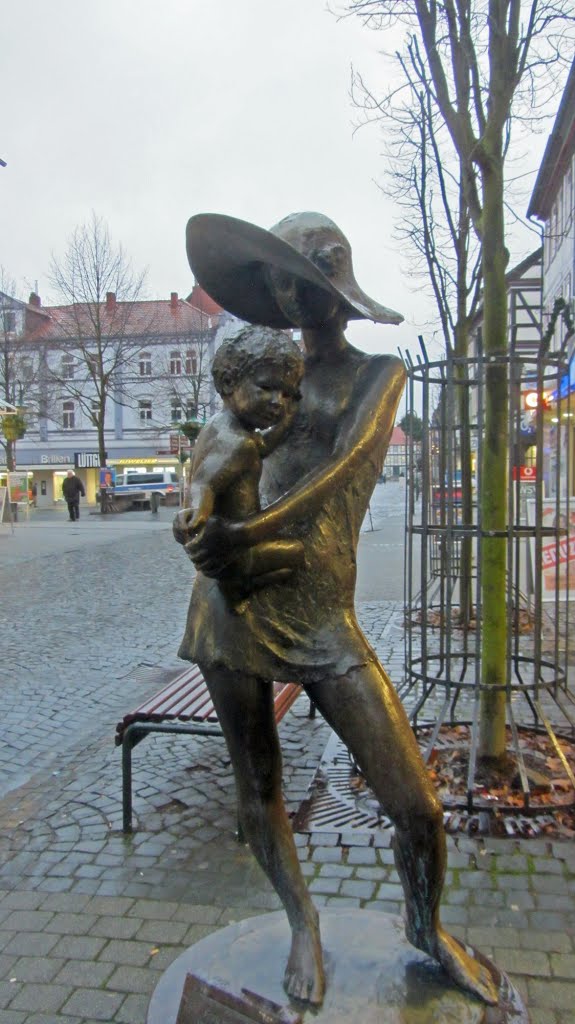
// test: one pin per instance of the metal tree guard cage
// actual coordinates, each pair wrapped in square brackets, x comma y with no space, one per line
[443,589]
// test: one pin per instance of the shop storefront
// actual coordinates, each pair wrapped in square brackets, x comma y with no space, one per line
[46,469]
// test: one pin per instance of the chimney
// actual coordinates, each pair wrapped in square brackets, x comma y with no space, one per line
[110,301]
[174,300]
[34,300]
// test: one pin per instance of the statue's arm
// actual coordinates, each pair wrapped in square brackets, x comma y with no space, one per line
[371,417]
[221,464]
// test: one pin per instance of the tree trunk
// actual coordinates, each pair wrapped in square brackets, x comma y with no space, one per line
[494,467]
[105,498]
[10,455]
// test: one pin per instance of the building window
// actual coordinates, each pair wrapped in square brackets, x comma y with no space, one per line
[191,410]
[68,415]
[191,363]
[145,408]
[67,367]
[8,321]
[145,364]
[26,369]
[176,410]
[176,364]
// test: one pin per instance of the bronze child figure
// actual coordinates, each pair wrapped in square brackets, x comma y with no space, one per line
[318,480]
[257,374]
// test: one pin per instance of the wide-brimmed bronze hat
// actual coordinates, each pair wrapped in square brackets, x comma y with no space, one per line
[230,257]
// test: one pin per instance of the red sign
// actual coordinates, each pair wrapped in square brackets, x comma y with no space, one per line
[527,474]
[174,443]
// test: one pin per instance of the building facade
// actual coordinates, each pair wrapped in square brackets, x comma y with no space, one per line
[553,205]
[131,372]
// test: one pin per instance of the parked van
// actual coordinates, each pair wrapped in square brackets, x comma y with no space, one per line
[155,487]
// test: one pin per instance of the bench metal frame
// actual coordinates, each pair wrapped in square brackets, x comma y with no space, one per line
[135,726]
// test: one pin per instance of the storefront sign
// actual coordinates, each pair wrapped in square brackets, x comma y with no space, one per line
[87,460]
[142,460]
[55,460]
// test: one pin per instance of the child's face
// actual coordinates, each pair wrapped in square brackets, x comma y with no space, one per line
[262,398]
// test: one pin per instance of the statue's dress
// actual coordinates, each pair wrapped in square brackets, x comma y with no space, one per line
[302,629]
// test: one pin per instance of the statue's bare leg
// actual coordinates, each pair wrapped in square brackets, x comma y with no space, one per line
[365,711]
[244,705]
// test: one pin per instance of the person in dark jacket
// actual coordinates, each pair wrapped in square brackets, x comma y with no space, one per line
[72,488]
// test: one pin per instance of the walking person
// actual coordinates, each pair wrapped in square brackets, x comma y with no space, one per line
[72,488]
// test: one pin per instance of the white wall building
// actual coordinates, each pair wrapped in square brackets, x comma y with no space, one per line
[158,355]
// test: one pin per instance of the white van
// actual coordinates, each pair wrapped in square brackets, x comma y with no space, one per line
[154,487]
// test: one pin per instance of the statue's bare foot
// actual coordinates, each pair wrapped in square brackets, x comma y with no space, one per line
[463,969]
[304,975]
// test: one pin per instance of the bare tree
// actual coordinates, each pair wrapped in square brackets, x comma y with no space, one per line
[484,57]
[183,383]
[435,228]
[19,370]
[100,328]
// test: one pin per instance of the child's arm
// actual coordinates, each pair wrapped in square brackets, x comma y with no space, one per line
[217,472]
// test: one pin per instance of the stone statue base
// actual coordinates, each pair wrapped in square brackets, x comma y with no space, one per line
[373,975]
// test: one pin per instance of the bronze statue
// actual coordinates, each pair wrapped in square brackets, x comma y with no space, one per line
[258,376]
[302,628]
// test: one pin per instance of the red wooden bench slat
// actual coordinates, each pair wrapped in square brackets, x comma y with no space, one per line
[191,678]
[187,699]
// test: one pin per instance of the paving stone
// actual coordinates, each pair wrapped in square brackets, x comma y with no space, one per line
[557,995]
[551,942]
[96,1003]
[390,891]
[521,961]
[79,947]
[132,979]
[197,913]
[71,924]
[327,854]
[116,927]
[8,990]
[36,968]
[65,903]
[160,931]
[28,944]
[22,900]
[84,973]
[360,889]
[563,966]
[327,886]
[105,906]
[27,920]
[362,855]
[133,1010]
[127,952]
[13,1017]
[41,997]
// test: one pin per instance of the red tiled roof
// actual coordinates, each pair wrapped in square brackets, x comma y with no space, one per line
[397,437]
[145,319]
[201,300]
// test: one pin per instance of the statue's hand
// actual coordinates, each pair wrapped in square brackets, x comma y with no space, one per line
[213,547]
[181,525]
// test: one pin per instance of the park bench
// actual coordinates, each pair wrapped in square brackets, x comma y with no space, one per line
[183,706]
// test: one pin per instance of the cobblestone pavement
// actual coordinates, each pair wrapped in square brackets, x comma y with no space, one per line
[88,917]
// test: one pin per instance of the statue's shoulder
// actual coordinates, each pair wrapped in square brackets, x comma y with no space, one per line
[383,368]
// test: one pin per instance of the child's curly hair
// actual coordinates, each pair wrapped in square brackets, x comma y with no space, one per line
[240,356]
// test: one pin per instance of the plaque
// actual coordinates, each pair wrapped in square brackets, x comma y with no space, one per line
[204,1003]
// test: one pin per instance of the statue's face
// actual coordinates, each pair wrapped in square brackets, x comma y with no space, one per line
[261,399]
[303,304]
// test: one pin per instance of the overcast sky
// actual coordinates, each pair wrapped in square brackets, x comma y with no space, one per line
[148,112]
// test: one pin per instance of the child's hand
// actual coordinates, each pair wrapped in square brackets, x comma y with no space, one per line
[197,523]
